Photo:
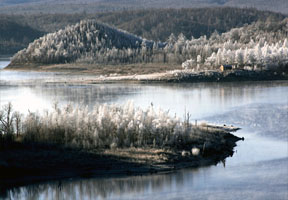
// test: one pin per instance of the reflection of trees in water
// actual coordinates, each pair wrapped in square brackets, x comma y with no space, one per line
[101,187]
[86,94]
[227,92]
[91,188]
[221,94]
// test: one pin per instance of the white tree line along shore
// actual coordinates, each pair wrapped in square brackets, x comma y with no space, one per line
[89,42]
[105,126]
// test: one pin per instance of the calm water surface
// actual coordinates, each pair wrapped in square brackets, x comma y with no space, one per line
[258,169]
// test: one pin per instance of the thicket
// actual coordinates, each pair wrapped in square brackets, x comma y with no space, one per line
[92,6]
[258,44]
[15,36]
[152,24]
[158,24]
[105,126]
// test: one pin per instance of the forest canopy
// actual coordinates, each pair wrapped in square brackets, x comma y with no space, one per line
[152,24]
[259,44]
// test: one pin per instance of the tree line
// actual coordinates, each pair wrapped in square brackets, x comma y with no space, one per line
[92,42]
[152,24]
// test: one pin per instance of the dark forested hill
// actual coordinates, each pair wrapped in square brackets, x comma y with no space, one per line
[14,36]
[159,24]
[13,2]
[92,6]
[91,42]
[155,24]
[272,5]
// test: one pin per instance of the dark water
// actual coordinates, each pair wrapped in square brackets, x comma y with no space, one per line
[258,169]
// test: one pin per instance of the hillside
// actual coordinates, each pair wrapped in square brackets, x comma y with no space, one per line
[260,44]
[92,6]
[276,5]
[159,24]
[85,39]
[14,36]
[155,24]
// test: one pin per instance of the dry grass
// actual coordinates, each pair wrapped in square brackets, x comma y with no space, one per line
[95,69]
[141,155]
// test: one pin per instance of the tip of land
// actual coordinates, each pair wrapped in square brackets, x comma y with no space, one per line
[148,72]
[26,163]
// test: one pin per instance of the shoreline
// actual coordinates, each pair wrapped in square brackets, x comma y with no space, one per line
[147,73]
[23,164]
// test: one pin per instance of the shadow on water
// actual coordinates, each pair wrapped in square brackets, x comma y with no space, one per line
[98,187]
[238,182]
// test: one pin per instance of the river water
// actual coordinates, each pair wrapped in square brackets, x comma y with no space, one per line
[257,170]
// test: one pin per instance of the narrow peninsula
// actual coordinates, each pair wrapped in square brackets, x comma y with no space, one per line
[109,140]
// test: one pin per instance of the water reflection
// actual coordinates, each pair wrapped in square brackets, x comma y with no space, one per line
[238,182]
[23,98]
[266,119]
[4,61]
[258,170]
[201,100]
[39,98]
[102,187]
[205,99]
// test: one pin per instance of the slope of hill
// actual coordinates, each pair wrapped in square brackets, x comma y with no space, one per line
[92,6]
[159,24]
[89,42]
[14,36]
[13,2]
[275,5]
[155,24]
[87,38]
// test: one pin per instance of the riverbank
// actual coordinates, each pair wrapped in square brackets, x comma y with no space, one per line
[149,72]
[191,76]
[24,163]
[99,70]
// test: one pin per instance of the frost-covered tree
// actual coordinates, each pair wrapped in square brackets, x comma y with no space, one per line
[93,42]
[189,64]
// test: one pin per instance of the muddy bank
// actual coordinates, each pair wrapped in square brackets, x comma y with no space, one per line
[26,163]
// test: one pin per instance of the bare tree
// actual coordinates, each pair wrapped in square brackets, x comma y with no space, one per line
[6,121]
[17,118]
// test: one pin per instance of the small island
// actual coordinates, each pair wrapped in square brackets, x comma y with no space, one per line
[109,140]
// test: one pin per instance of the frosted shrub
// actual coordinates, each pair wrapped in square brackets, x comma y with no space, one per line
[106,126]
[195,151]
[188,64]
